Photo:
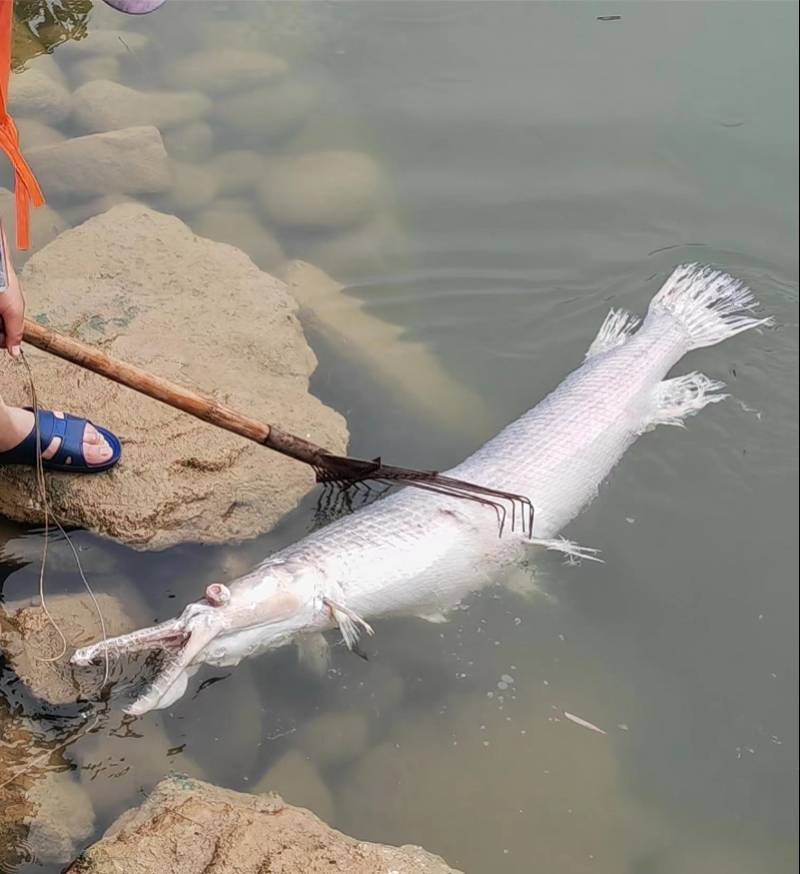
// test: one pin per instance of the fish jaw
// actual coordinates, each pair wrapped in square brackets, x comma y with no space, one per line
[213,630]
[182,639]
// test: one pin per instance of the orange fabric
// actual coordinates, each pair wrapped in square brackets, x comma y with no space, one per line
[26,188]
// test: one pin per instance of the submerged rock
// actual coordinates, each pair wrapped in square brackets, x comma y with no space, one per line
[33,133]
[299,782]
[271,112]
[321,189]
[105,42]
[20,766]
[95,67]
[61,820]
[32,645]
[190,827]
[333,738]
[42,810]
[128,161]
[564,810]
[45,225]
[116,765]
[221,70]
[234,221]
[103,105]
[193,187]
[85,209]
[194,311]
[35,94]
[369,248]
[239,171]
[190,142]
[408,368]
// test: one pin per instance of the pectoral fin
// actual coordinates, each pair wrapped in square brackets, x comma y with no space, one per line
[350,624]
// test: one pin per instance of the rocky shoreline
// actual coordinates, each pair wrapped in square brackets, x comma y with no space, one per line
[187,826]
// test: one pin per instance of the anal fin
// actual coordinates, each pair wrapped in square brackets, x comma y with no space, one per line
[574,552]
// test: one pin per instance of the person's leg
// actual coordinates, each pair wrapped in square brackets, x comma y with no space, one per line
[16,424]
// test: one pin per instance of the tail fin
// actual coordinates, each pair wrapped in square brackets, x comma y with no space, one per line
[710,305]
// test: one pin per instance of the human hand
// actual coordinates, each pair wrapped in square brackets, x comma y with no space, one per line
[12,304]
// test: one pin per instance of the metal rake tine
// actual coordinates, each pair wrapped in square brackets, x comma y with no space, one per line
[436,488]
[459,486]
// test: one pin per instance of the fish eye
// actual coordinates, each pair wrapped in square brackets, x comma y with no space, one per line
[217,594]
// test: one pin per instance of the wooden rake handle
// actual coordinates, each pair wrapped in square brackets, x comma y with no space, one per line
[160,389]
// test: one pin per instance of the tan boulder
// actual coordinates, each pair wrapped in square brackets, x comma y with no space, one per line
[151,292]
[190,827]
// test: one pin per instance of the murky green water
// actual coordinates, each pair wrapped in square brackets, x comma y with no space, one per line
[544,164]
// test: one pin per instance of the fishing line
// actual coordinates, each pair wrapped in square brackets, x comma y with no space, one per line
[41,485]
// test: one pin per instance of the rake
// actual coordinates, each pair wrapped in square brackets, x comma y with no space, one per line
[329,468]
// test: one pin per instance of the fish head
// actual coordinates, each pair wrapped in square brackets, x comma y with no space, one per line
[224,626]
[182,640]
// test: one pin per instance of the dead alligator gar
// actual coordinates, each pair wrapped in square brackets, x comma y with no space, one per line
[420,553]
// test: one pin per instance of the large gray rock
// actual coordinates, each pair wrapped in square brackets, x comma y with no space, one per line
[190,827]
[151,292]
[128,161]
[103,105]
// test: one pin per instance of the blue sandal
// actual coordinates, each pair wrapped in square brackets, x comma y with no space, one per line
[70,453]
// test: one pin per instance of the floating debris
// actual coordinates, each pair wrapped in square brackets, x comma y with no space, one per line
[583,723]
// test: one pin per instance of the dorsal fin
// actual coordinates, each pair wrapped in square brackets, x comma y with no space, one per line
[615,330]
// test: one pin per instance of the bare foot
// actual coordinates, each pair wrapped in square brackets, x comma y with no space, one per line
[18,423]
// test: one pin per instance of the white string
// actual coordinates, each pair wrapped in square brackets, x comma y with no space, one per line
[48,514]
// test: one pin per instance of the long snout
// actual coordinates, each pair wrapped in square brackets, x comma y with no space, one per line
[182,639]
[167,635]
[178,665]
